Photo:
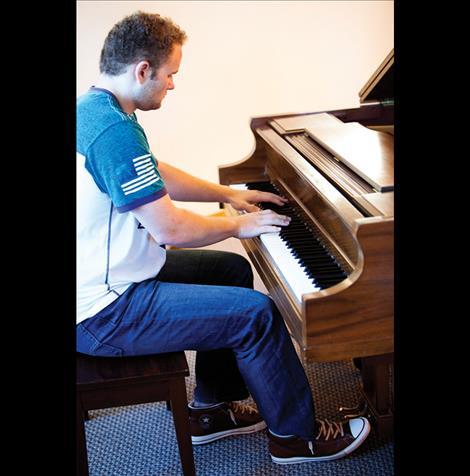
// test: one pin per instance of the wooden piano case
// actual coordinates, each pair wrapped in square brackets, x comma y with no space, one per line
[337,167]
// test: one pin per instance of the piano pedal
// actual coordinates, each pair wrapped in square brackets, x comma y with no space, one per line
[347,413]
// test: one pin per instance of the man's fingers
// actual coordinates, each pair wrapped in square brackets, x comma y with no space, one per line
[270,229]
[268,216]
[271,197]
[265,221]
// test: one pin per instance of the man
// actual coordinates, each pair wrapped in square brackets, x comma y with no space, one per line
[134,297]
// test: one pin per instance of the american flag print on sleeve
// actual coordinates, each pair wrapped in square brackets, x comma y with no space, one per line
[146,175]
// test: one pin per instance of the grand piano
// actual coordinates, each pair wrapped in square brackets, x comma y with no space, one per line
[331,271]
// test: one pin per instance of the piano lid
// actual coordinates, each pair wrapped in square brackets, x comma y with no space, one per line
[380,85]
[367,152]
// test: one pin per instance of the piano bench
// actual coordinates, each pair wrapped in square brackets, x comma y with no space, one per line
[105,382]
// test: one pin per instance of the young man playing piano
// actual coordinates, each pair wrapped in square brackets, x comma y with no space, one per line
[134,297]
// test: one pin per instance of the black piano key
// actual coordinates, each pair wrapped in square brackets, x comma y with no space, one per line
[322,268]
[318,260]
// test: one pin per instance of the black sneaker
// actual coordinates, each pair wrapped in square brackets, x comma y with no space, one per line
[222,420]
[334,440]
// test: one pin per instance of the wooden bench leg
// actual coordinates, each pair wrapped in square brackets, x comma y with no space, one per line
[179,406]
[82,458]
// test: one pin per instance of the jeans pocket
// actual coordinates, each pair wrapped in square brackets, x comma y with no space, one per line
[87,343]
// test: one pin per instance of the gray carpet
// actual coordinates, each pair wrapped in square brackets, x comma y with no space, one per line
[139,440]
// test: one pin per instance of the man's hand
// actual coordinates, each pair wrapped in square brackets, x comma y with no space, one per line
[253,224]
[244,200]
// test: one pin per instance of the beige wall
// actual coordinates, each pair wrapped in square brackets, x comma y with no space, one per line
[244,59]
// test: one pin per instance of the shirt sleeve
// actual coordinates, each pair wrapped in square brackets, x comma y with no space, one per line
[123,167]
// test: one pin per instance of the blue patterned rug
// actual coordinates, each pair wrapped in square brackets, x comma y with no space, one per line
[139,440]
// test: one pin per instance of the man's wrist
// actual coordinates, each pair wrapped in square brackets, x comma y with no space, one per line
[234,224]
[229,194]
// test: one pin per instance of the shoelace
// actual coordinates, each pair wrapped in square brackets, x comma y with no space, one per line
[239,407]
[328,428]
[242,407]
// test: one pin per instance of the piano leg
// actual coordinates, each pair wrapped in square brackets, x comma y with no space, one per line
[377,388]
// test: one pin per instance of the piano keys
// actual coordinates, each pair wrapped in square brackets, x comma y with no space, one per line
[303,261]
[331,271]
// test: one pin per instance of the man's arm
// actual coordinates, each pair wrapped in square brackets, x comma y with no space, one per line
[186,188]
[175,226]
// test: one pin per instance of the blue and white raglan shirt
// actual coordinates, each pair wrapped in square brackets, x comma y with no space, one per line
[116,172]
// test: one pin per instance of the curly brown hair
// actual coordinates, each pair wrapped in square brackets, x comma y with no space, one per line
[137,37]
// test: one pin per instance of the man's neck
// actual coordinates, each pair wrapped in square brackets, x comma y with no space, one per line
[119,87]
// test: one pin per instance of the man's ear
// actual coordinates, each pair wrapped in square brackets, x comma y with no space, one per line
[142,71]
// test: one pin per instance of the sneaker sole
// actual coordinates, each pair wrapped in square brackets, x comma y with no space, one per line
[201,440]
[312,459]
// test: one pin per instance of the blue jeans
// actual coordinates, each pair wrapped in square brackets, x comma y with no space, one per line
[203,300]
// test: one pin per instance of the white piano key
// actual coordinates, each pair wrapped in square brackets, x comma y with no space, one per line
[288,265]
[239,186]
